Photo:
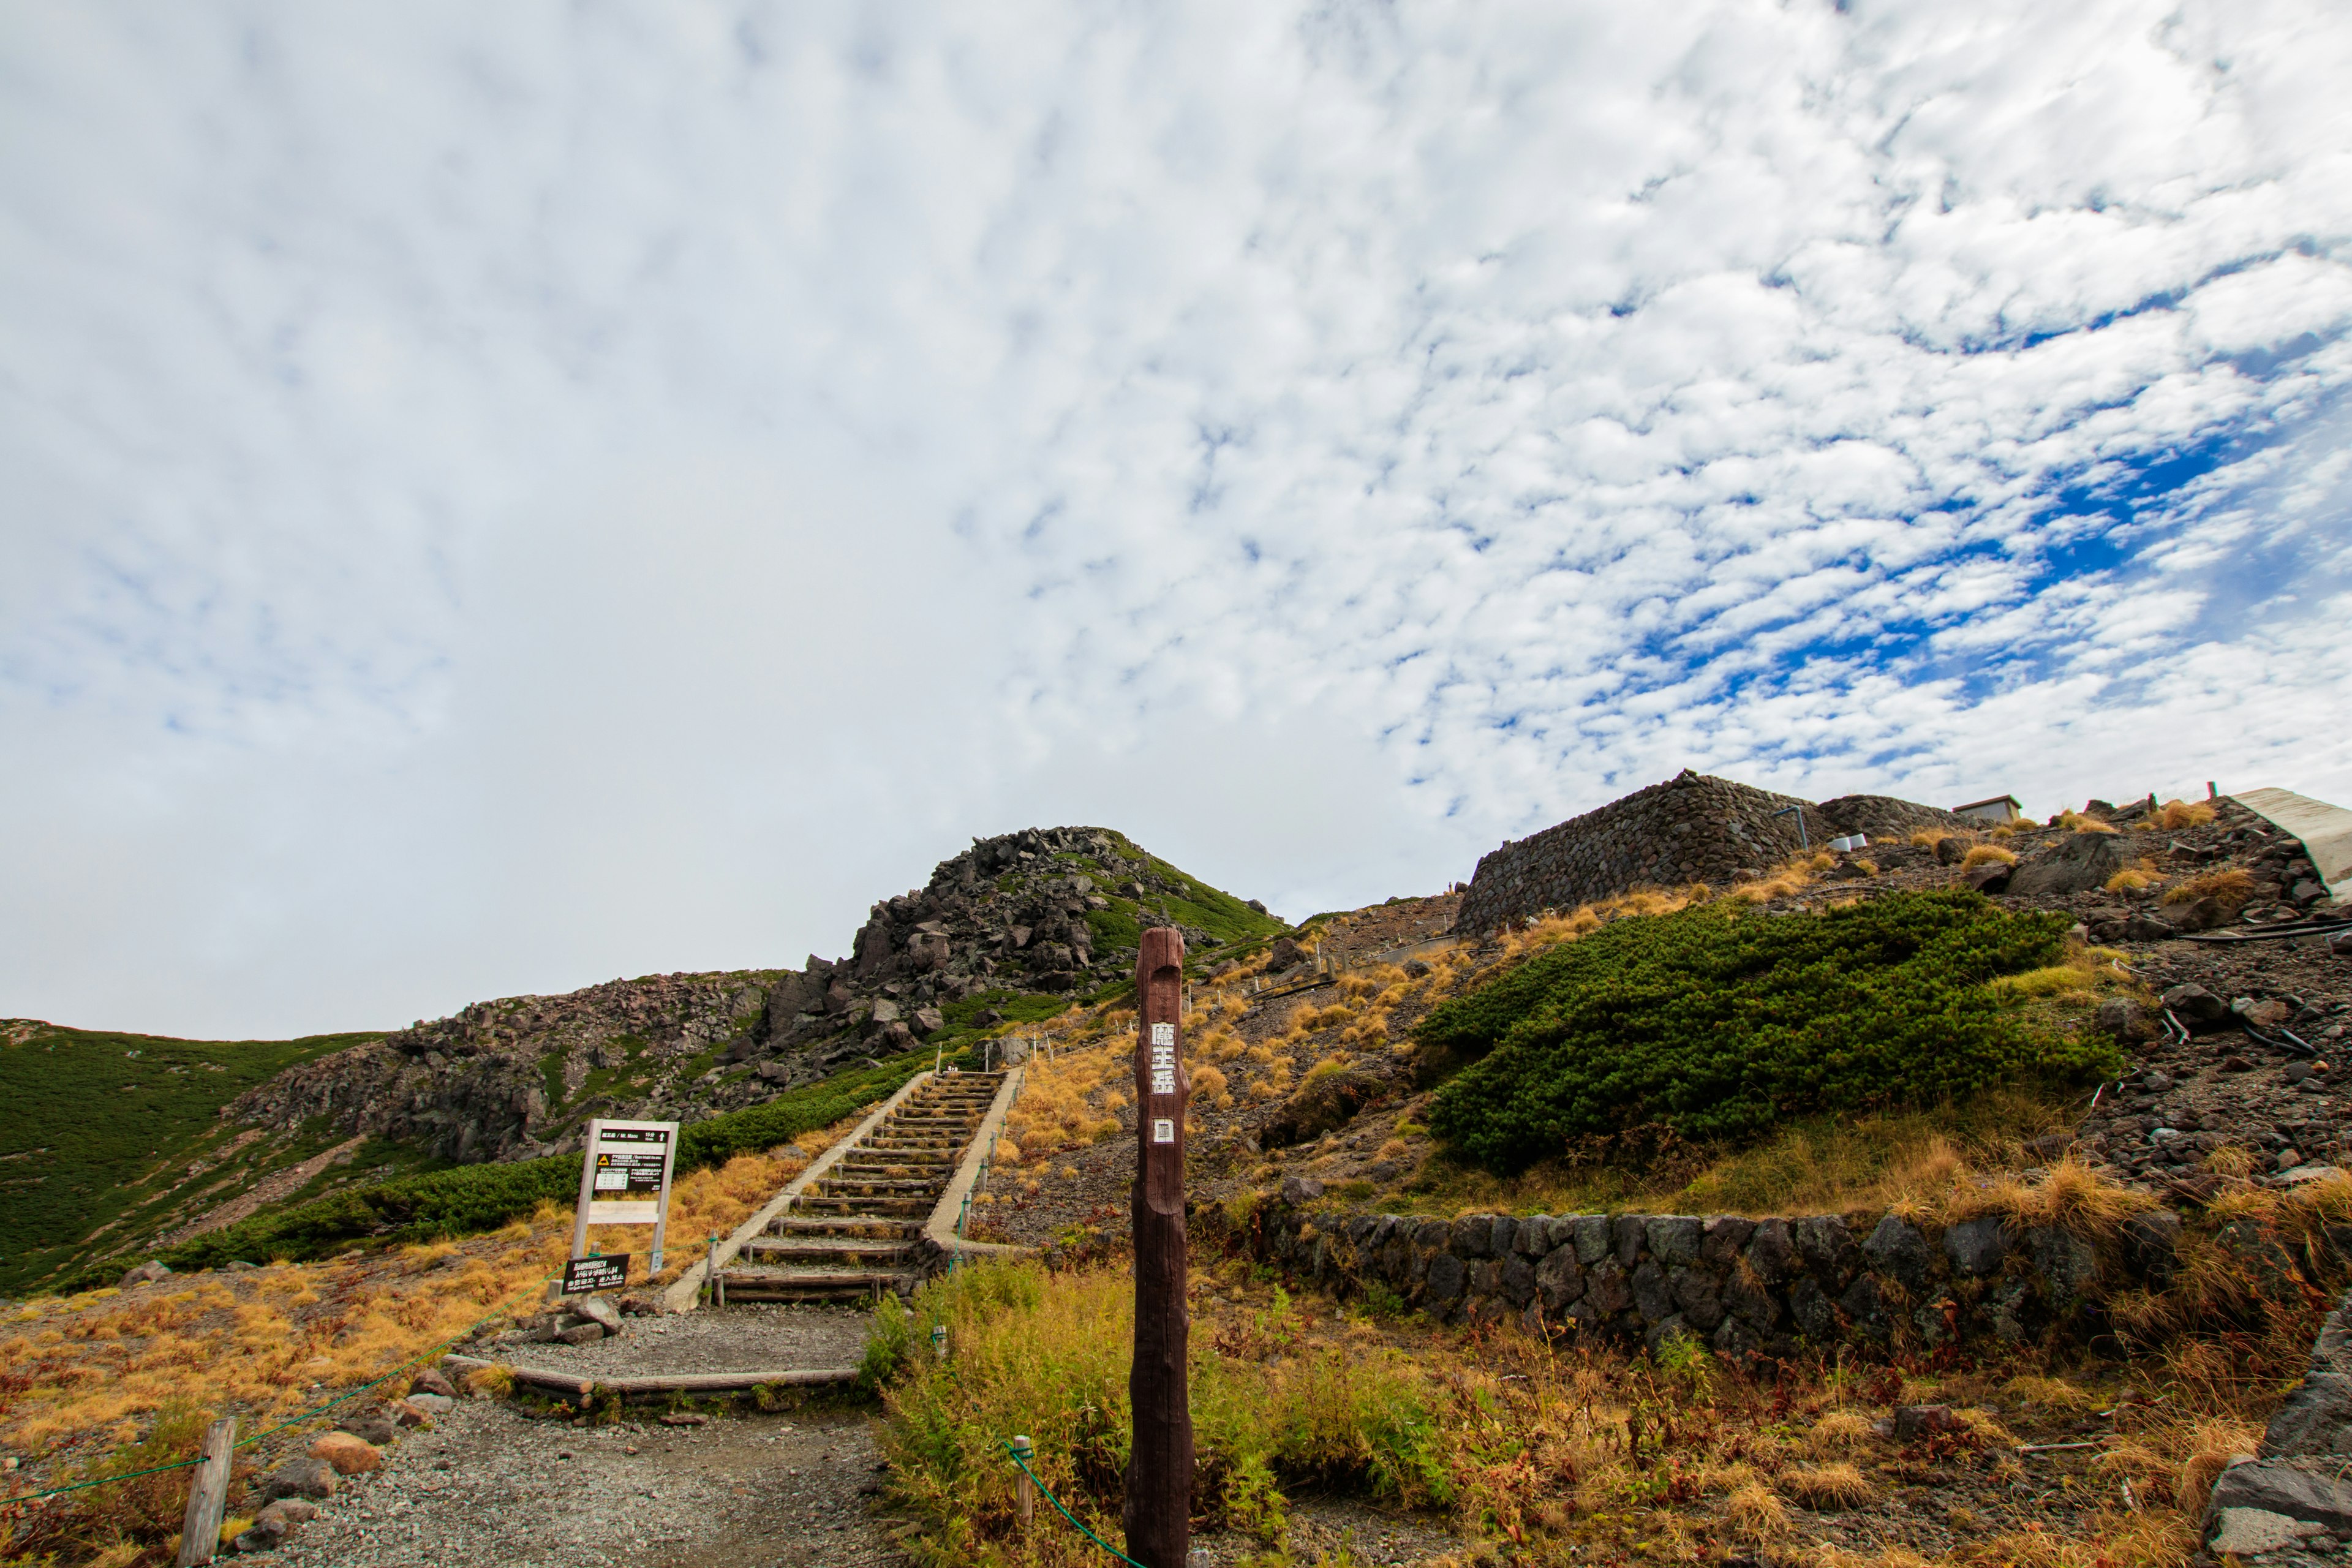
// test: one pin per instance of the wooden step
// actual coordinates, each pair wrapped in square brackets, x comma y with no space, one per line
[798,1251]
[861,1227]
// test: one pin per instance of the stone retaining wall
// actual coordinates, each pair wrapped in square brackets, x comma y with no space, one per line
[1691,828]
[1738,1285]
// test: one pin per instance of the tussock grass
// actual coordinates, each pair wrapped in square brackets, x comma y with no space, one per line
[2230,887]
[2177,815]
[2075,822]
[2132,878]
[1987,854]
[1833,1486]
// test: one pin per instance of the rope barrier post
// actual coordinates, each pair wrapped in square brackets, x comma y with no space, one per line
[200,1528]
[1024,1486]
[1158,1515]
[939,1342]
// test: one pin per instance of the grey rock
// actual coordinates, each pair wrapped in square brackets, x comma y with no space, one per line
[2315,1419]
[1362,1230]
[371,1427]
[1447,1278]
[583,1335]
[1749,1299]
[2063,1265]
[1912,1422]
[1518,1280]
[1607,1291]
[1725,1235]
[1810,1306]
[1976,1246]
[1472,1236]
[2123,1019]
[433,1404]
[1733,1336]
[928,1020]
[1504,1237]
[146,1272]
[600,1311]
[1993,876]
[2250,1531]
[1560,1277]
[1898,1250]
[1592,1237]
[2194,1005]
[1863,1305]
[2152,1244]
[1827,1247]
[1486,1277]
[1535,1236]
[1297,1190]
[1699,1295]
[1674,1238]
[1626,1233]
[301,1476]
[1772,1252]
[1653,1297]
[1430,1235]
[2276,1489]
[2075,864]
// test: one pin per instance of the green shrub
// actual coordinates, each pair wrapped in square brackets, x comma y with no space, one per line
[1718,1022]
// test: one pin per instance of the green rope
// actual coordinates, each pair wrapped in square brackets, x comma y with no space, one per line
[269,1431]
[1066,1514]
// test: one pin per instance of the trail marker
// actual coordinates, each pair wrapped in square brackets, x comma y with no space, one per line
[1159,1512]
[624,1176]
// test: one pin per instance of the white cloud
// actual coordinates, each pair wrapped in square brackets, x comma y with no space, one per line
[503,497]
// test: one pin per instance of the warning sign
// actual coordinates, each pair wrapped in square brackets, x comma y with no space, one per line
[625,1177]
[584,1275]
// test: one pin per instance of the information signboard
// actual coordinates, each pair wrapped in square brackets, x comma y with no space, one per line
[596,1272]
[624,1176]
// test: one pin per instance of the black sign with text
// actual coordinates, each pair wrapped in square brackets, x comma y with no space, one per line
[583,1275]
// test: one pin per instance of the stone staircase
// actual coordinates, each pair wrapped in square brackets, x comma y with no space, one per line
[853,1233]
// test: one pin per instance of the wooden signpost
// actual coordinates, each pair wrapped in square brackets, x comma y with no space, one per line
[1158,1514]
[624,1176]
[208,1496]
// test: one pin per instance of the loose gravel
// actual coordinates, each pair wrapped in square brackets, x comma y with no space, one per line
[491,1485]
[750,1338]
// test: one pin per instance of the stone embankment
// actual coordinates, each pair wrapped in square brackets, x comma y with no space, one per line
[1743,1285]
[1691,828]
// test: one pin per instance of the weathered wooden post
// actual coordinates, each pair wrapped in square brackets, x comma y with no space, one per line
[208,1496]
[1158,1514]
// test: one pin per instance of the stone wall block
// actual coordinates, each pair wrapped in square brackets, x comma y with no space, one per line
[1443,1285]
[1608,1289]
[1471,1235]
[1674,1238]
[1591,1237]
[1699,1294]
[1626,1235]
[1811,1307]
[1725,1235]
[1561,1278]
[1430,1235]
[1535,1236]
[1976,1246]
[1653,1297]
[1771,1254]
[2065,1266]
[1898,1249]
[1518,1285]
[1828,1248]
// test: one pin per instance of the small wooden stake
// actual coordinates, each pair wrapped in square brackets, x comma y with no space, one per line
[1027,1489]
[208,1496]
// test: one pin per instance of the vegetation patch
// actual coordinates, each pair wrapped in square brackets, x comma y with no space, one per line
[104,1124]
[468,1199]
[1712,1023]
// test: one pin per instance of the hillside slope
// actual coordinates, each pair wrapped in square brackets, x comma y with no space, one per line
[1010,930]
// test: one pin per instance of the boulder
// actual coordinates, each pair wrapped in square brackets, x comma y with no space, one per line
[1284,953]
[1952,849]
[2277,1488]
[2063,1265]
[599,1312]
[431,1381]
[1561,1278]
[302,1475]
[1675,1238]
[1299,1191]
[1992,877]
[2075,864]
[146,1273]
[1653,1297]
[1323,1105]
[2195,1006]
[1771,1253]
[1912,1422]
[2244,1531]
[1976,1246]
[1447,1277]
[2124,1021]
[928,1020]
[374,1427]
[581,1333]
[348,1455]
[2315,1419]
[1898,1250]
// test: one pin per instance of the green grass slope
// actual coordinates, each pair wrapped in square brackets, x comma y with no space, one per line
[103,1127]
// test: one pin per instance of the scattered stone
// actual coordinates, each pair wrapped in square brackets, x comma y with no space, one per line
[684,1418]
[2126,1021]
[432,1404]
[2194,1005]
[303,1476]
[1298,1189]
[146,1273]
[374,1427]
[600,1311]
[581,1334]
[2075,864]
[348,1455]
[2276,1489]
[1912,1422]
[431,1381]
[2247,1531]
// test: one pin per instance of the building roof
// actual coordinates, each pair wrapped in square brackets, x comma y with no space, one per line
[1992,800]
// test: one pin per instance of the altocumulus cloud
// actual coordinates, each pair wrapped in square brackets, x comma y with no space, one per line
[498,499]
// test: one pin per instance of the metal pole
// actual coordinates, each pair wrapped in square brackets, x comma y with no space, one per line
[587,1188]
[661,1214]
[1159,1512]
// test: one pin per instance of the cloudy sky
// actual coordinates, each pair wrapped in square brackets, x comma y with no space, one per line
[502,496]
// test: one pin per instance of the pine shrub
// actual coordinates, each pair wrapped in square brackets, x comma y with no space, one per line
[1718,1023]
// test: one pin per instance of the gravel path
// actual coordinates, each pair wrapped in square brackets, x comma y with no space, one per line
[489,1485]
[753,1338]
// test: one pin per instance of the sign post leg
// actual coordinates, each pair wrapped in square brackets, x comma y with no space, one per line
[1159,1512]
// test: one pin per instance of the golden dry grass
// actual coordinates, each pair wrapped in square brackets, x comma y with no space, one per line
[2176,814]
[2231,887]
[1832,1486]
[1987,854]
[2132,878]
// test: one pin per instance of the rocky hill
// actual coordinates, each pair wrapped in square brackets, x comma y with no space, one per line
[1013,928]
